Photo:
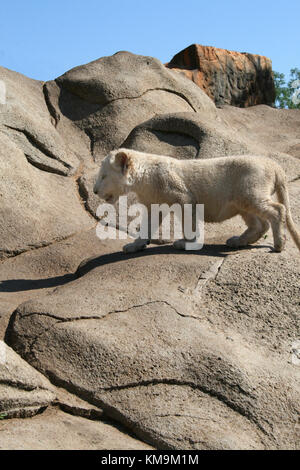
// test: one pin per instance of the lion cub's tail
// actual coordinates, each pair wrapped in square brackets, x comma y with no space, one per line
[283,197]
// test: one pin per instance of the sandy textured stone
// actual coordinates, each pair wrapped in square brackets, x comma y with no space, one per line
[73,405]
[23,390]
[56,430]
[38,271]
[106,337]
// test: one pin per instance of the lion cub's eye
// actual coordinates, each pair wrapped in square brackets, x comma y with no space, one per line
[103,177]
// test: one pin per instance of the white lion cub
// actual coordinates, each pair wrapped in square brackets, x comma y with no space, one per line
[227,186]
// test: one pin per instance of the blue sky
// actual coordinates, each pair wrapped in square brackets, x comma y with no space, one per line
[43,39]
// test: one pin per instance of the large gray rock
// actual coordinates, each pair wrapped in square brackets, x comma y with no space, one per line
[39,199]
[23,391]
[25,119]
[210,384]
[107,98]
[272,131]
[126,75]
[37,207]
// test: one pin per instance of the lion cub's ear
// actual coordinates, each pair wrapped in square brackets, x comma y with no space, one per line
[122,160]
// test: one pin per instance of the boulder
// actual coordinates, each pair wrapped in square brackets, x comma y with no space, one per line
[37,207]
[108,97]
[39,197]
[227,77]
[26,120]
[213,383]
[272,131]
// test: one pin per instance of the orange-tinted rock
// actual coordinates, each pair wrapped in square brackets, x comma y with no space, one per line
[235,78]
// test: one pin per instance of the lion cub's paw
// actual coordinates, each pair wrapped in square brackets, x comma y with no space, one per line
[179,244]
[279,245]
[233,242]
[134,247]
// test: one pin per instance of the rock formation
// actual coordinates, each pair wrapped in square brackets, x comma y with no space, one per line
[194,350]
[227,77]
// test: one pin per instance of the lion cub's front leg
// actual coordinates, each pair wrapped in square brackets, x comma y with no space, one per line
[138,245]
[183,243]
[180,244]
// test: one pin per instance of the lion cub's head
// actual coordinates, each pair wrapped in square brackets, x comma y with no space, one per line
[115,175]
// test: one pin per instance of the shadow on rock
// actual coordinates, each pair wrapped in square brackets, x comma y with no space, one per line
[208,250]
[18,285]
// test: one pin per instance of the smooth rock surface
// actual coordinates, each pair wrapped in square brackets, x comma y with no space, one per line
[108,97]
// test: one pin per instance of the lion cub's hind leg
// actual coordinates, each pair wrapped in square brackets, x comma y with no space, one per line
[257,227]
[275,213]
[265,212]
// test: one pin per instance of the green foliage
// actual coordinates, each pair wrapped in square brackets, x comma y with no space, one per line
[287,94]
[3,415]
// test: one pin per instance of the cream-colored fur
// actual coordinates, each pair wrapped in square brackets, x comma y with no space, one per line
[227,186]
